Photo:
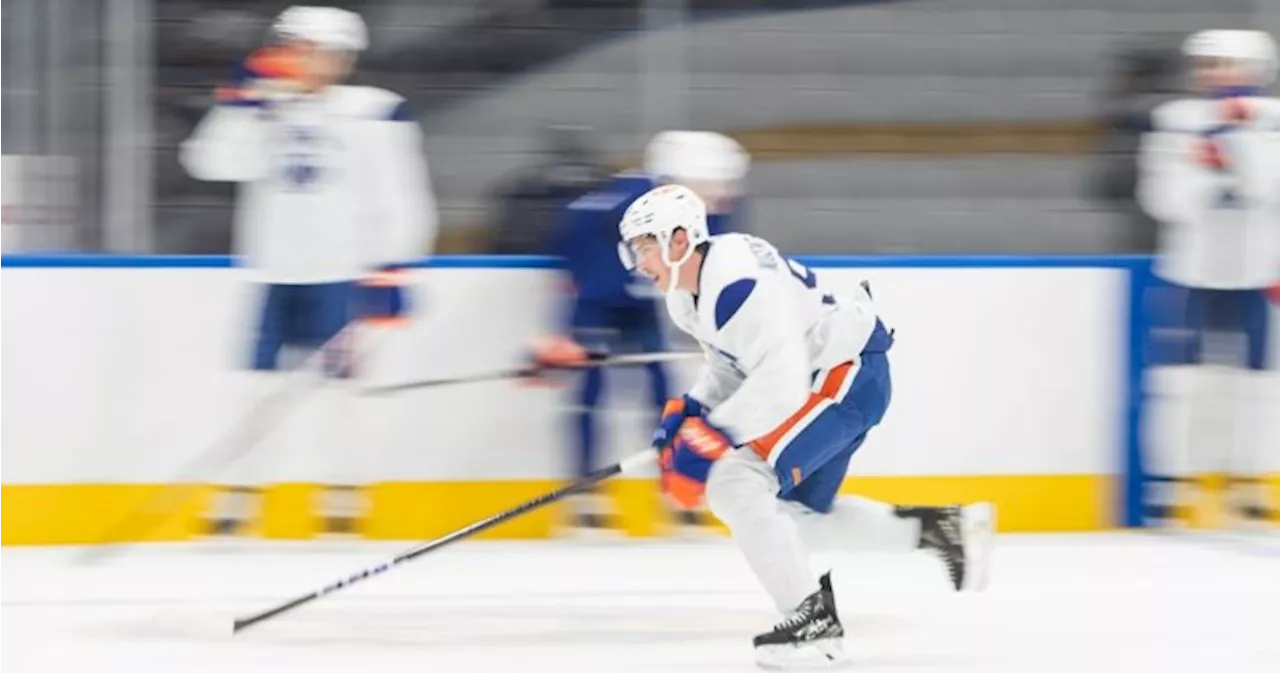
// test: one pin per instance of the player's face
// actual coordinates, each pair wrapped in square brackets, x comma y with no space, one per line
[322,67]
[1209,74]
[648,255]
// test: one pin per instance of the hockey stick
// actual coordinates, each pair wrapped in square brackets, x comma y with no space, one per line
[232,445]
[631,464]
[593,360]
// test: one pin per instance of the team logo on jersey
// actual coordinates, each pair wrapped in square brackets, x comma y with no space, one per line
[1217,152]
[305,154]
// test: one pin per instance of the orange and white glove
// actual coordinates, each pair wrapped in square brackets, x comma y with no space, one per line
[1210,154]
[266,76]
[1210,150]
[552,353]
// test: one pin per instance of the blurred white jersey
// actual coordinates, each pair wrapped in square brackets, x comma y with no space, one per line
[767,326]
[1220,228]
[335,184]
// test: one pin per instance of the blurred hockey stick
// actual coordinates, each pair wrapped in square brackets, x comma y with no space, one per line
[245,435]
[629,465]
[232,445]
[593,360]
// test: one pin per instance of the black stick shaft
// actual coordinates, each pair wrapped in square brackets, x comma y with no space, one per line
[579,485]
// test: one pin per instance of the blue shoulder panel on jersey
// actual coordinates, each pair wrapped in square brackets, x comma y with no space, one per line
[401,113]
[731,299]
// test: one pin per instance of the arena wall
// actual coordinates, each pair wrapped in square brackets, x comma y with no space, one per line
[1012,381]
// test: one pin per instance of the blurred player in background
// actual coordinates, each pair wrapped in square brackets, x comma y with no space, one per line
[795,379]
[334,201]
[611,309]
[1210,173]
[530,203]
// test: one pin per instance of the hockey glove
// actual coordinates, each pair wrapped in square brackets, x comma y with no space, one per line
[673,416]
[550,354]
[1237,110]
[382,298]
[687,461]
[1210,150]
[1210,154]
[268,75]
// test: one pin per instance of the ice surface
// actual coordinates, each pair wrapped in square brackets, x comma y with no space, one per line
[1080,603]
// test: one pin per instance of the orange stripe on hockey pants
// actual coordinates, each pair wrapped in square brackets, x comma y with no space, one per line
[764,446]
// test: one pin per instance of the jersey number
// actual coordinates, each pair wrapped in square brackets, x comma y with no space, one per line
[806,275]
[767,256]
[803,273]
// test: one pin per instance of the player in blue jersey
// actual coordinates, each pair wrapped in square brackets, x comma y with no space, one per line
[612,310]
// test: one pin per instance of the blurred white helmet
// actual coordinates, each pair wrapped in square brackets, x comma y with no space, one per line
[1253,48]
[329,27]
[660,213]
[696,155]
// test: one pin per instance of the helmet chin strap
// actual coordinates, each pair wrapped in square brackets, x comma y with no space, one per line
[674,266]
[675,274]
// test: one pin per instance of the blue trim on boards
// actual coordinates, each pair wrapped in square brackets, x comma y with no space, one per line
[93,261]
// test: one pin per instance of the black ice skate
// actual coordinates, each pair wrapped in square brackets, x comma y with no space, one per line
[961,537]
[809,637]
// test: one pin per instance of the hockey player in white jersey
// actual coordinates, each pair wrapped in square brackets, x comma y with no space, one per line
[1209,171]
[334,201]
[795,378]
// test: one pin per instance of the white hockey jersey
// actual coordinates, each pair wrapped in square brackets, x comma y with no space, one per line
[766,325]
[1220,229]
[334,185]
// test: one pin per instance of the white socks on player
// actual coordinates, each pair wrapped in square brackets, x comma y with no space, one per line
[239,499]
[855,524]
[742,491]
[1207,419]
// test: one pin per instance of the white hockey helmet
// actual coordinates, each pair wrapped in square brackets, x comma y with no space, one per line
[696,156]
[329,27]
[660,213]
[1253,48]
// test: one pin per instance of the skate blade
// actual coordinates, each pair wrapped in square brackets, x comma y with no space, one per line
[979,524]
[826,653]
